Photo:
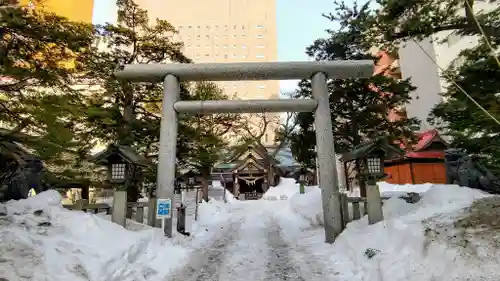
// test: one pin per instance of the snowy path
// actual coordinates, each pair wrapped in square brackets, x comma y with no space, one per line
[251,247]
[206,262]
[280,264]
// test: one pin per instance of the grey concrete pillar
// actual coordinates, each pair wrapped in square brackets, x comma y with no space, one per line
[119,213]
[374,210]
[168,144]
[332,211]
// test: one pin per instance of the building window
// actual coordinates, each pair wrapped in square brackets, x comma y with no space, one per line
[260,36]
[244,57]
[260,26]
[180,27]
[260,46]
[259,56]
[234,26]
[208,26]
[207,47]
[198,27]
[189,38]
[225,36]
[234,46]
[234,36]
[225,27]
[216,46]
[243,36]
[190,27]
[197,37]
[225,46]
[207,36]
[244,46]
[262,86]
[225,56]
[216,37]
[207,55]
[216,27]
[197,46]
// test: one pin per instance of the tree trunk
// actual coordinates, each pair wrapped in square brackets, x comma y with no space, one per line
[126,137]
[205,177]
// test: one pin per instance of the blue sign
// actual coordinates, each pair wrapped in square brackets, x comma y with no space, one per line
[163,208]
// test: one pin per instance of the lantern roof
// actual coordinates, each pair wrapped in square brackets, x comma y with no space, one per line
[126,153]
[379,146]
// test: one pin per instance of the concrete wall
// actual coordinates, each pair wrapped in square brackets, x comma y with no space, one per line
[424,75]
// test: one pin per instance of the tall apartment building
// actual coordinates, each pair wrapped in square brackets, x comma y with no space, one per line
[75,10]
[225,31]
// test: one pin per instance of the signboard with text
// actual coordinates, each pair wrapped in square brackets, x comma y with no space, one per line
[164,208]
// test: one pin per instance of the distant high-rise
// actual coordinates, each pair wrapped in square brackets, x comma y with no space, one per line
[226,31]
[74,10]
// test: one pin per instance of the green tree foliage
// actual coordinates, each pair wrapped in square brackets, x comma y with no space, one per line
[459,117]
[358,106]
[395,21]
[475,70]
[206,141]
[40,57]
[129,113]
[118,111]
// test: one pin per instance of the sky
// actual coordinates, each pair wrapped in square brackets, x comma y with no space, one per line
[299,24]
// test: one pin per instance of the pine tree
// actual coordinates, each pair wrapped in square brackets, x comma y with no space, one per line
[129,113]
[396,21]
[475,70]
[358,107]
[459,117]
[40,56]
[208,134]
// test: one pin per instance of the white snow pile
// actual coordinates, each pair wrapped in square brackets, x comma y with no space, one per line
[390,190]
[452,233]
[286,188]
[40,240]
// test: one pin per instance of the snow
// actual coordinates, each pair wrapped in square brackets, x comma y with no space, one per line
[270,239]
[390,190]
[40,240]
[285,189]
[400,245]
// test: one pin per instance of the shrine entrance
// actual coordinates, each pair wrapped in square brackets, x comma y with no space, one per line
[172,74]
[249,183]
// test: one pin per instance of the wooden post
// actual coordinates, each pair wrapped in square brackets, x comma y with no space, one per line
[152,212]
[236,187]
[139,214]
[80,204]
[345,209]
[119,213]
[375,213]
[356,213]
[198,203]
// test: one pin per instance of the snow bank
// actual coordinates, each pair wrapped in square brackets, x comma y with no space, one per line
[434,239]
[390,190]
[284,190]
[40,240]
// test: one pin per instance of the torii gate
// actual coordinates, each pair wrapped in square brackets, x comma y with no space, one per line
[319,71]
